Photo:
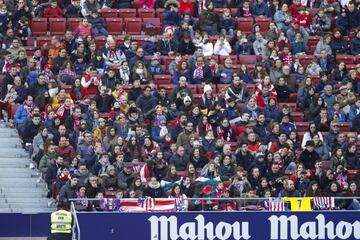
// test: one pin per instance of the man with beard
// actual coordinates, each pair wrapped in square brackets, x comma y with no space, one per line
[104,100]
[244,157]
[183,138]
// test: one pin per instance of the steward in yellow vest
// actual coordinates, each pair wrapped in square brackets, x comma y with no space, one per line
[61,224]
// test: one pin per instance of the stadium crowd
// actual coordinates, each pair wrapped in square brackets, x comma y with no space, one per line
[206,108]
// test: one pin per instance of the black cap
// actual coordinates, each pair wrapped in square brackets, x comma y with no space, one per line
[310,143]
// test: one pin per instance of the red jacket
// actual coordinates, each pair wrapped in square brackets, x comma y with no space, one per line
[186,6]
[294,10]
[304,20]
[50,12]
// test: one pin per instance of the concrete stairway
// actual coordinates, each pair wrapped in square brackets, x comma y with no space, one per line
[19,189]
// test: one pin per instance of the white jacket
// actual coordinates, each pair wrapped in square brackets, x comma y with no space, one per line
[222,49]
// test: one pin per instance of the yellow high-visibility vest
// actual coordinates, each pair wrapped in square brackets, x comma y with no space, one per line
[299,204]
[61,222]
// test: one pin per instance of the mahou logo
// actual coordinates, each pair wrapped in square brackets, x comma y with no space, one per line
[167,228]
[288,227]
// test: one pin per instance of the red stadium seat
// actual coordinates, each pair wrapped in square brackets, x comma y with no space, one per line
[197,97]
[263,23]
[73,23]
[40,41]
[146,13]
[302,126]
[127,13]
[133,25]
[347,59]
[291,105]
[193,88]
[166,60]
[115,25]
[109,13]
[246,59]
[39,26]
[160,13]
[57,26]
[100,41]
[162,79]
[297,116]
[305,59]
[152,26]
[245,24]
[29,51]
[168,87]
[219,11]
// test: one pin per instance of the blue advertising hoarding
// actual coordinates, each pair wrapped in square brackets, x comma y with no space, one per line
[194,225]
[220,225]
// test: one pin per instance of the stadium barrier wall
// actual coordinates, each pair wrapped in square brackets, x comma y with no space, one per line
[194,225]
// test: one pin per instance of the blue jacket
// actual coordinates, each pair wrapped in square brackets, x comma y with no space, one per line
[342,23]
[231,113]
[329,100]
[149,48]
[271,113]
[229,75]
[298,47]
[97,23]
[227,23]
[247,78]
[155,134]
[177,75]
[21,115]
[341,116]
[355,46]
[354,111]
[171,18]
[260,9]
[288,127]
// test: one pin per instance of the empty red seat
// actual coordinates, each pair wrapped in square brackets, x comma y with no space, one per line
[109,13]
[347,59]
[133,25]
[245,24]
[302,126]
[159,13]
[246,59]
[297,116]
[29,50]
[146,13]
[152,25]
[127,13]
[73,23]
[161,79]
[167,60]
[40,41]
[263,23]
[57,26]
[115,25]
[39,26]
[100,41]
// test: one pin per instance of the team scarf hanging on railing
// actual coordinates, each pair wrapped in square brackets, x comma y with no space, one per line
[323,203]
[138,205]
[276,204]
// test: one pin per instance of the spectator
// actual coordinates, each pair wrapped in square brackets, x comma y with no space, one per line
[352,15]
[209,19]
[260,8]
[68,191]
[338,44]
[227,23]
[355,44]
[283,18]
[73,10]
[53,11]
[171,14]
[98,24]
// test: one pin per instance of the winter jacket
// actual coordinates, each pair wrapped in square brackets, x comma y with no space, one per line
[171,18]
[146,104]
[260,9]
[339,46]
[323,151]
[67,192]
[227,23]
[355,46]
[179,162]
[125,180]
[298,47]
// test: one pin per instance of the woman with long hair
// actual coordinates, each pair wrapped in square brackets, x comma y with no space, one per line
[313,190]
[181,202]
[171,178]
[139,71]
[311,132]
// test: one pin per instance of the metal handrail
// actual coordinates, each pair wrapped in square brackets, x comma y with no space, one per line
[73,211]
[212,198]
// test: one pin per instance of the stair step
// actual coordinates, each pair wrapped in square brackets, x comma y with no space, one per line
[23,194]
[26,200]
[24,190]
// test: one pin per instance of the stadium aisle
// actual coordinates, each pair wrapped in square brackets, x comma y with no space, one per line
[19,189]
